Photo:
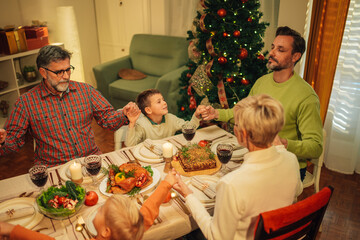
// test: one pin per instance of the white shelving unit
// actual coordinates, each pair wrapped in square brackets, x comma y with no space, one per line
[9,66]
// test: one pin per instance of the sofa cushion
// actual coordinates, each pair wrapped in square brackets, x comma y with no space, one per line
[128,89]
[131,74]
[156,54]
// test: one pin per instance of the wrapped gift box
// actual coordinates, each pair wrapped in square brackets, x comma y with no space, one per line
[8,42]
[36,37]
[36,32]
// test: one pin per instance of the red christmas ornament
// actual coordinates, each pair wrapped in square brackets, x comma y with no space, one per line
[188,75]
[244,1]
[225,34]
[244,81]
[221,12]
[236,33]
[249,19]
[192,103]
[261,57]
[222,60]
[243,53]
[182,109]
[230,79]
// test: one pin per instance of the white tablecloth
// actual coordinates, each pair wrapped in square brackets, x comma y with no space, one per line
[175,222]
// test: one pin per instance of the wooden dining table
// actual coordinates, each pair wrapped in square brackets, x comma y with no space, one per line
[175,222]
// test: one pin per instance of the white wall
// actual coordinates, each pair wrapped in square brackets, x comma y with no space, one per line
[22,12]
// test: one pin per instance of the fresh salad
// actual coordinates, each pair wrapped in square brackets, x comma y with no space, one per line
[63,201]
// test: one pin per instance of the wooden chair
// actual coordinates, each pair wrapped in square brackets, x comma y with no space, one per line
[314,178]
[297,221]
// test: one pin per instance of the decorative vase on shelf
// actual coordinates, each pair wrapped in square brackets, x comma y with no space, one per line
[29,73]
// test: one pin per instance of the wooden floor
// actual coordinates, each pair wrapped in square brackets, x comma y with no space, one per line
[341,221]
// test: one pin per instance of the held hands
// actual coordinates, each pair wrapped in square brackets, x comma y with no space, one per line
[2,135]
[132,111]
[280,141]
[207,112]
[177,183]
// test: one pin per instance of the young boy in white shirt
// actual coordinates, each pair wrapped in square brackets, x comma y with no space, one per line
[155,122]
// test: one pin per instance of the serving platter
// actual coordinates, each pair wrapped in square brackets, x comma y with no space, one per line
[156,179]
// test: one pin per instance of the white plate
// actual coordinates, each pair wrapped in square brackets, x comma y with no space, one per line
[29,221]
[205,200]
[156,178]
[237,153]
[140,151]
[89,220]
[64,172]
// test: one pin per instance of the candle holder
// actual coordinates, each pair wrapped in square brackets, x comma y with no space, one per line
[78,181]
[167,166]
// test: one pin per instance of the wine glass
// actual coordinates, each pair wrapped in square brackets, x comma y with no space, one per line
[39,175]
[93,166]
[188,130]
[224,153]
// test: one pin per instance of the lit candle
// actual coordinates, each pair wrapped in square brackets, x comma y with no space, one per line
[167,150]
[75,171]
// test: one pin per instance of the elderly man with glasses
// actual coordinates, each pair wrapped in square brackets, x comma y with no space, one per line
[58,113]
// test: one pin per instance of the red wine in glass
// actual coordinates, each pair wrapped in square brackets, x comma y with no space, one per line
[188,130]
[189,134]
[224,153]
[93,167]
[39,179]
[39,175]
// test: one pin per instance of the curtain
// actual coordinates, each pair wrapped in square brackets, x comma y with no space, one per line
[327,26]
[179,16]
[342,122]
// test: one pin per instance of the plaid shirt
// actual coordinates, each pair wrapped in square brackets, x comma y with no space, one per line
[61,126]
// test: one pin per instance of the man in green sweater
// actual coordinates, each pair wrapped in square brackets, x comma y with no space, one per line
[302,133]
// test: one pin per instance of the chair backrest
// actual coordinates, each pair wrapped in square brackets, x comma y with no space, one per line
[157,54]
[295,221]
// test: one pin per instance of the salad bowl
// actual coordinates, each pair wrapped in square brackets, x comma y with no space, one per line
[61,202]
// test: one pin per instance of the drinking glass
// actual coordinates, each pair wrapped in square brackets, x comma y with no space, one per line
[93,166]
[224,153]
[39,175]
[188,130]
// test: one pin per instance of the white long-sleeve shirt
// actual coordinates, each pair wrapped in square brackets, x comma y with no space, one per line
[268,179]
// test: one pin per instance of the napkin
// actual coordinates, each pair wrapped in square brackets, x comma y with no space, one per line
[153,147]
[204,187]
[16,212]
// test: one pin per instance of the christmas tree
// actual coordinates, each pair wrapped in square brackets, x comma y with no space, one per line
[225,57]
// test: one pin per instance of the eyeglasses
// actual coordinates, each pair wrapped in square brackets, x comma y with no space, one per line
[60,73]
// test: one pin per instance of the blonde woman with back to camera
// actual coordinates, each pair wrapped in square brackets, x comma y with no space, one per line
[268,179]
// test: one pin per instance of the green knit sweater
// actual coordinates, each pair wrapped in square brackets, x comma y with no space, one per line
[303,125]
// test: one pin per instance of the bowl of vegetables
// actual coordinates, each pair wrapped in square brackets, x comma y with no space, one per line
[61,202]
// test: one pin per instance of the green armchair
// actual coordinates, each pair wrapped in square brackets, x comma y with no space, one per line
[161,58]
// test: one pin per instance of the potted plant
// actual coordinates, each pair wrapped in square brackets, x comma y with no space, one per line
[29,73]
